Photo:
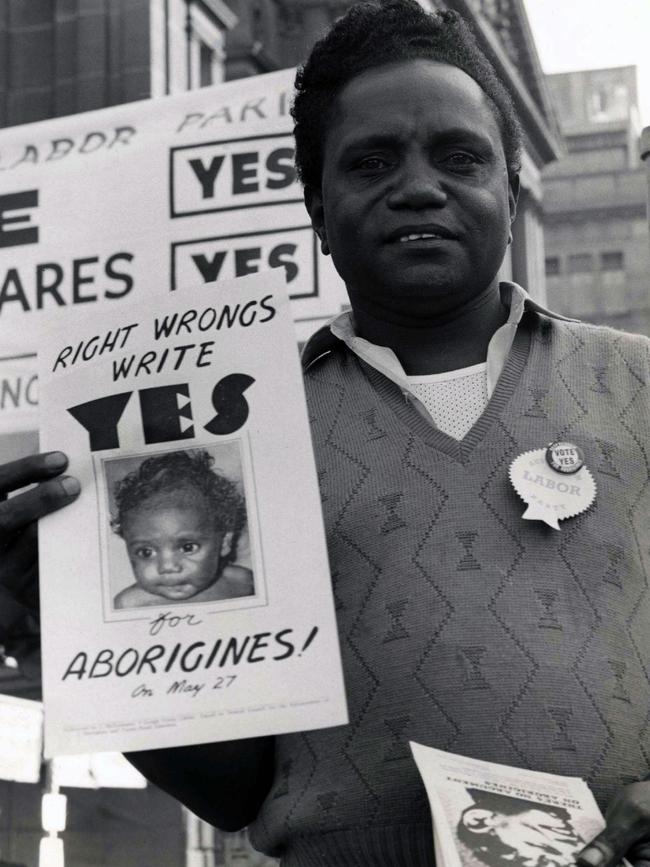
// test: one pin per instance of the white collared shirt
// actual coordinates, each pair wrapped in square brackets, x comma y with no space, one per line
[383,359]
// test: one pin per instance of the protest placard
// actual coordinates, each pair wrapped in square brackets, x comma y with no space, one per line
[21,745]
[18,400]
[95,771]
[486,814]
[103,208]
[186,594]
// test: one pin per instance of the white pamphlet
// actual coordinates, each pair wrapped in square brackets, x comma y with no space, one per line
[491,814]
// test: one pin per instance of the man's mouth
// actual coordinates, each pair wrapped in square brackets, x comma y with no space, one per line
[426,232]
[425,236]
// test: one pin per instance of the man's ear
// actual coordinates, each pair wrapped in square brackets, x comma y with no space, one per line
[314,205]
[226,544]
[513,198]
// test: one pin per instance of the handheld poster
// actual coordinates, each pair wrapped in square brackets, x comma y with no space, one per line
[185,595]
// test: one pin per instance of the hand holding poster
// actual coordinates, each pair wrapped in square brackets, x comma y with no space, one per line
[185,594]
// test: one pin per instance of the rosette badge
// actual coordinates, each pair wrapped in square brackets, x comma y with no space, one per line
[554,482]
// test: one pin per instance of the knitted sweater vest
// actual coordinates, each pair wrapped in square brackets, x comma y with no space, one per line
[461,625]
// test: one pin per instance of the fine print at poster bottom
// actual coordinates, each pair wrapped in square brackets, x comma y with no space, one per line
[292,716]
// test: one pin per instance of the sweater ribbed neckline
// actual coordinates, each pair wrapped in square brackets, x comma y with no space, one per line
[459,450]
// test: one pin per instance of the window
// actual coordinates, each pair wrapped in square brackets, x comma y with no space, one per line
[599,101]
[581,263]
[611,261]
[552,265]
[206,60]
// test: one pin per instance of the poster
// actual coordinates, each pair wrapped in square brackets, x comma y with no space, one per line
[21,723]
[18,400]
[95,771]
[105,208]
[485,814]
[186,594]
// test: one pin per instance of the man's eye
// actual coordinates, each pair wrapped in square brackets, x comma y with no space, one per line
[372,164]
[460,159]
[190,547]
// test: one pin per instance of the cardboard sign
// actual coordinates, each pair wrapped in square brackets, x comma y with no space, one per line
[95,771]
[186,594]
[18,389]
[109,207]
[21,723]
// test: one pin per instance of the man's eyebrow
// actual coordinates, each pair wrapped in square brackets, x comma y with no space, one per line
[375,140]
[459,135]
[454,135]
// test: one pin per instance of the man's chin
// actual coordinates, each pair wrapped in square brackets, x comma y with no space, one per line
[418,283]
[424,299]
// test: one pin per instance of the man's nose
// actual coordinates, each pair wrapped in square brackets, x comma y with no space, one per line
[417,186]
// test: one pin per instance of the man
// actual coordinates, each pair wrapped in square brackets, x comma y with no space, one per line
[408,148]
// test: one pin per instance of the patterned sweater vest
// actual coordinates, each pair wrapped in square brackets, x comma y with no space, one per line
[461,625]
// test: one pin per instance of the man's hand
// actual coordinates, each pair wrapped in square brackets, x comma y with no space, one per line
[627,834]
[18,538]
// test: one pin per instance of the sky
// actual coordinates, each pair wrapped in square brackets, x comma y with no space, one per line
[593,34]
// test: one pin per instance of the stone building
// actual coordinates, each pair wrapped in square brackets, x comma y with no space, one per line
[597,246]
[66,56]
[645,156]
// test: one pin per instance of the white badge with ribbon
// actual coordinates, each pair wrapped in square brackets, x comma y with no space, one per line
[554,482]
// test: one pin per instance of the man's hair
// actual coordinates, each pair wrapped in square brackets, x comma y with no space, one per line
[180,472]
[375,33]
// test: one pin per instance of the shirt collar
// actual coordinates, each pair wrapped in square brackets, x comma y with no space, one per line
[341,328]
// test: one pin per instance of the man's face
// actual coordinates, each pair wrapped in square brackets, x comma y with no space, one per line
[415,204]
[173,547]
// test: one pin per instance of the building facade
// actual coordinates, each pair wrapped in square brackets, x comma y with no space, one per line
[597,250]
[645,156]
[61,57]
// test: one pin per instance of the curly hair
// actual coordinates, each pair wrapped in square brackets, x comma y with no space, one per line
[375,33]
[180,471]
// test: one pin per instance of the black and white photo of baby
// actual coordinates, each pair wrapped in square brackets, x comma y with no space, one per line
[180,520]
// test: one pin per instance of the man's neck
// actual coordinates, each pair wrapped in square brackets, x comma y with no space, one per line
[456,339]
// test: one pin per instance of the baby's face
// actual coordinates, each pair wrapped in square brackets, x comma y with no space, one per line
[173,547]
